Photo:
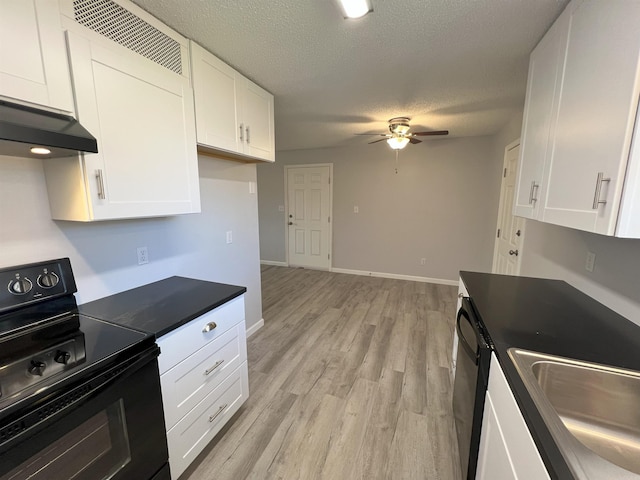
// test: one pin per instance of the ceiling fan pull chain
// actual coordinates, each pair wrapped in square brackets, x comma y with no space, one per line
[397,153]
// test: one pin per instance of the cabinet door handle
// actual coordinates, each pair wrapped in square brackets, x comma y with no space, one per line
[209,326]
[248,134]
[242,132]
[596,195]
[216,365]
[100,182]
[534,189]
[215,415]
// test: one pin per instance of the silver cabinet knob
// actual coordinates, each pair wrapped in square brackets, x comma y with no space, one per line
[209,326]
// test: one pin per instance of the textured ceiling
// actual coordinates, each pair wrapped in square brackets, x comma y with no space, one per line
[459,65]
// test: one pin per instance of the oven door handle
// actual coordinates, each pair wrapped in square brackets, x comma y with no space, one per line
[462,339]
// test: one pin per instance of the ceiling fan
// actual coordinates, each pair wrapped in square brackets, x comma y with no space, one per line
[399,135]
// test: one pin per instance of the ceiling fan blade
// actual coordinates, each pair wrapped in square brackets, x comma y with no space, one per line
[414,140]
[436,132]
[377,134]
[376,141]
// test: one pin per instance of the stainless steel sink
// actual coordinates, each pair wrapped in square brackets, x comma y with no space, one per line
[591,410]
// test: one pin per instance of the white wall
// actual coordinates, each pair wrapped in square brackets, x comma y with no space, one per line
[441,205]
[103,254]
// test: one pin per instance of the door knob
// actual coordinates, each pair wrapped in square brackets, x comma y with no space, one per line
[513,252]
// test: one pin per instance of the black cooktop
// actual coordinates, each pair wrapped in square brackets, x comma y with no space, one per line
[45,343]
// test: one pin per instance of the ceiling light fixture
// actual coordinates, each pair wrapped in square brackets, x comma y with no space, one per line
[355,8]
[398,143]
[40,151]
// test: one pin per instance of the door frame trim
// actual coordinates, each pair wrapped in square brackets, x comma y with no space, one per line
[286,207]
[494,265]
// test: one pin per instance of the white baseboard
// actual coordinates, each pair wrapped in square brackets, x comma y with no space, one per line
[396,276]
[276,264]
[255,327]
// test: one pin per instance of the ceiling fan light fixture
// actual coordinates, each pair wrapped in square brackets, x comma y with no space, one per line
[398,143]
[355,8]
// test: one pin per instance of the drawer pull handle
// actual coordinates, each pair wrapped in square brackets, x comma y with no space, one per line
[215,415]
[217,364]
[596,196]
[209,326]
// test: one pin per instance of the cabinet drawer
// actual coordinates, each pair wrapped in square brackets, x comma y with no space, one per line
[186,384]
[192,434]
[177,345]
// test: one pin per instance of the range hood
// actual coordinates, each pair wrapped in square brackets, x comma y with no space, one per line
[24,130]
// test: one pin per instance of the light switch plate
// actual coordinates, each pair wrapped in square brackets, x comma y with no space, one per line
[590,262]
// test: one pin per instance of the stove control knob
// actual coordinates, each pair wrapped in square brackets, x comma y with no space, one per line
[62,357]
[37,367]
[20,286]
[48,280]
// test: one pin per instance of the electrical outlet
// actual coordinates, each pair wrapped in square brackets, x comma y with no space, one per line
[356,209]
[423,261]
[590,262]
[143,255]
[281,208]
[229,236]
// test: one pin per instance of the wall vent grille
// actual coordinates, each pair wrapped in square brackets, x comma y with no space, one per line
[120,25]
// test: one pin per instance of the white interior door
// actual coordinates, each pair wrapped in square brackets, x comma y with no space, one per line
[308,217]
[510,233]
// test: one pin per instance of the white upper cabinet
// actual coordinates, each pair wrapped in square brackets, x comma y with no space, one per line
[590,178]
[257,118]
[141,112]
[596,113]
[233,114]
[33,58]
[545,69]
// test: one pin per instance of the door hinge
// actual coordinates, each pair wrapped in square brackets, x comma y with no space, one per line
[328,256]
[329,220]
[498,236]
[505,173]
[329,180]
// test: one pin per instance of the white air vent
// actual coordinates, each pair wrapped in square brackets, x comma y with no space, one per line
[120,25]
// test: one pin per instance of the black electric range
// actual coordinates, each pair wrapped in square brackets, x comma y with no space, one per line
[71,386]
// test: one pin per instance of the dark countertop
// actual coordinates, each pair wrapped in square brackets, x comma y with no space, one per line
[162,306]
[549,316]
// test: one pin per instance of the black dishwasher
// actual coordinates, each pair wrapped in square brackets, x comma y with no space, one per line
[470,385]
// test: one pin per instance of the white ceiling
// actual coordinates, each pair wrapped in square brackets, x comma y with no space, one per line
[459,65]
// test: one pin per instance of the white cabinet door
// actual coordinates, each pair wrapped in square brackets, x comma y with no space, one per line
[545,69]
[257,114]
[215,86]
[142,115]
[595,119]
[233,114]
[507,450]
[493,462]
[33,58]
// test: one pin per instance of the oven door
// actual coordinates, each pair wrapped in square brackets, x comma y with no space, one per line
[108,427]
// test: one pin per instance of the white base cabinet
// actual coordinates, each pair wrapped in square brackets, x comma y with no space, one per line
[33,57]
[233,114]
[507,450]
[204,380]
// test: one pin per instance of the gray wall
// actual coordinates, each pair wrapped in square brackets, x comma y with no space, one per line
[103,254]
[441,205]
[557,252]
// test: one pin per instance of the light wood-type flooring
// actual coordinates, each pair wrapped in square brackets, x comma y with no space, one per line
[349,379]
